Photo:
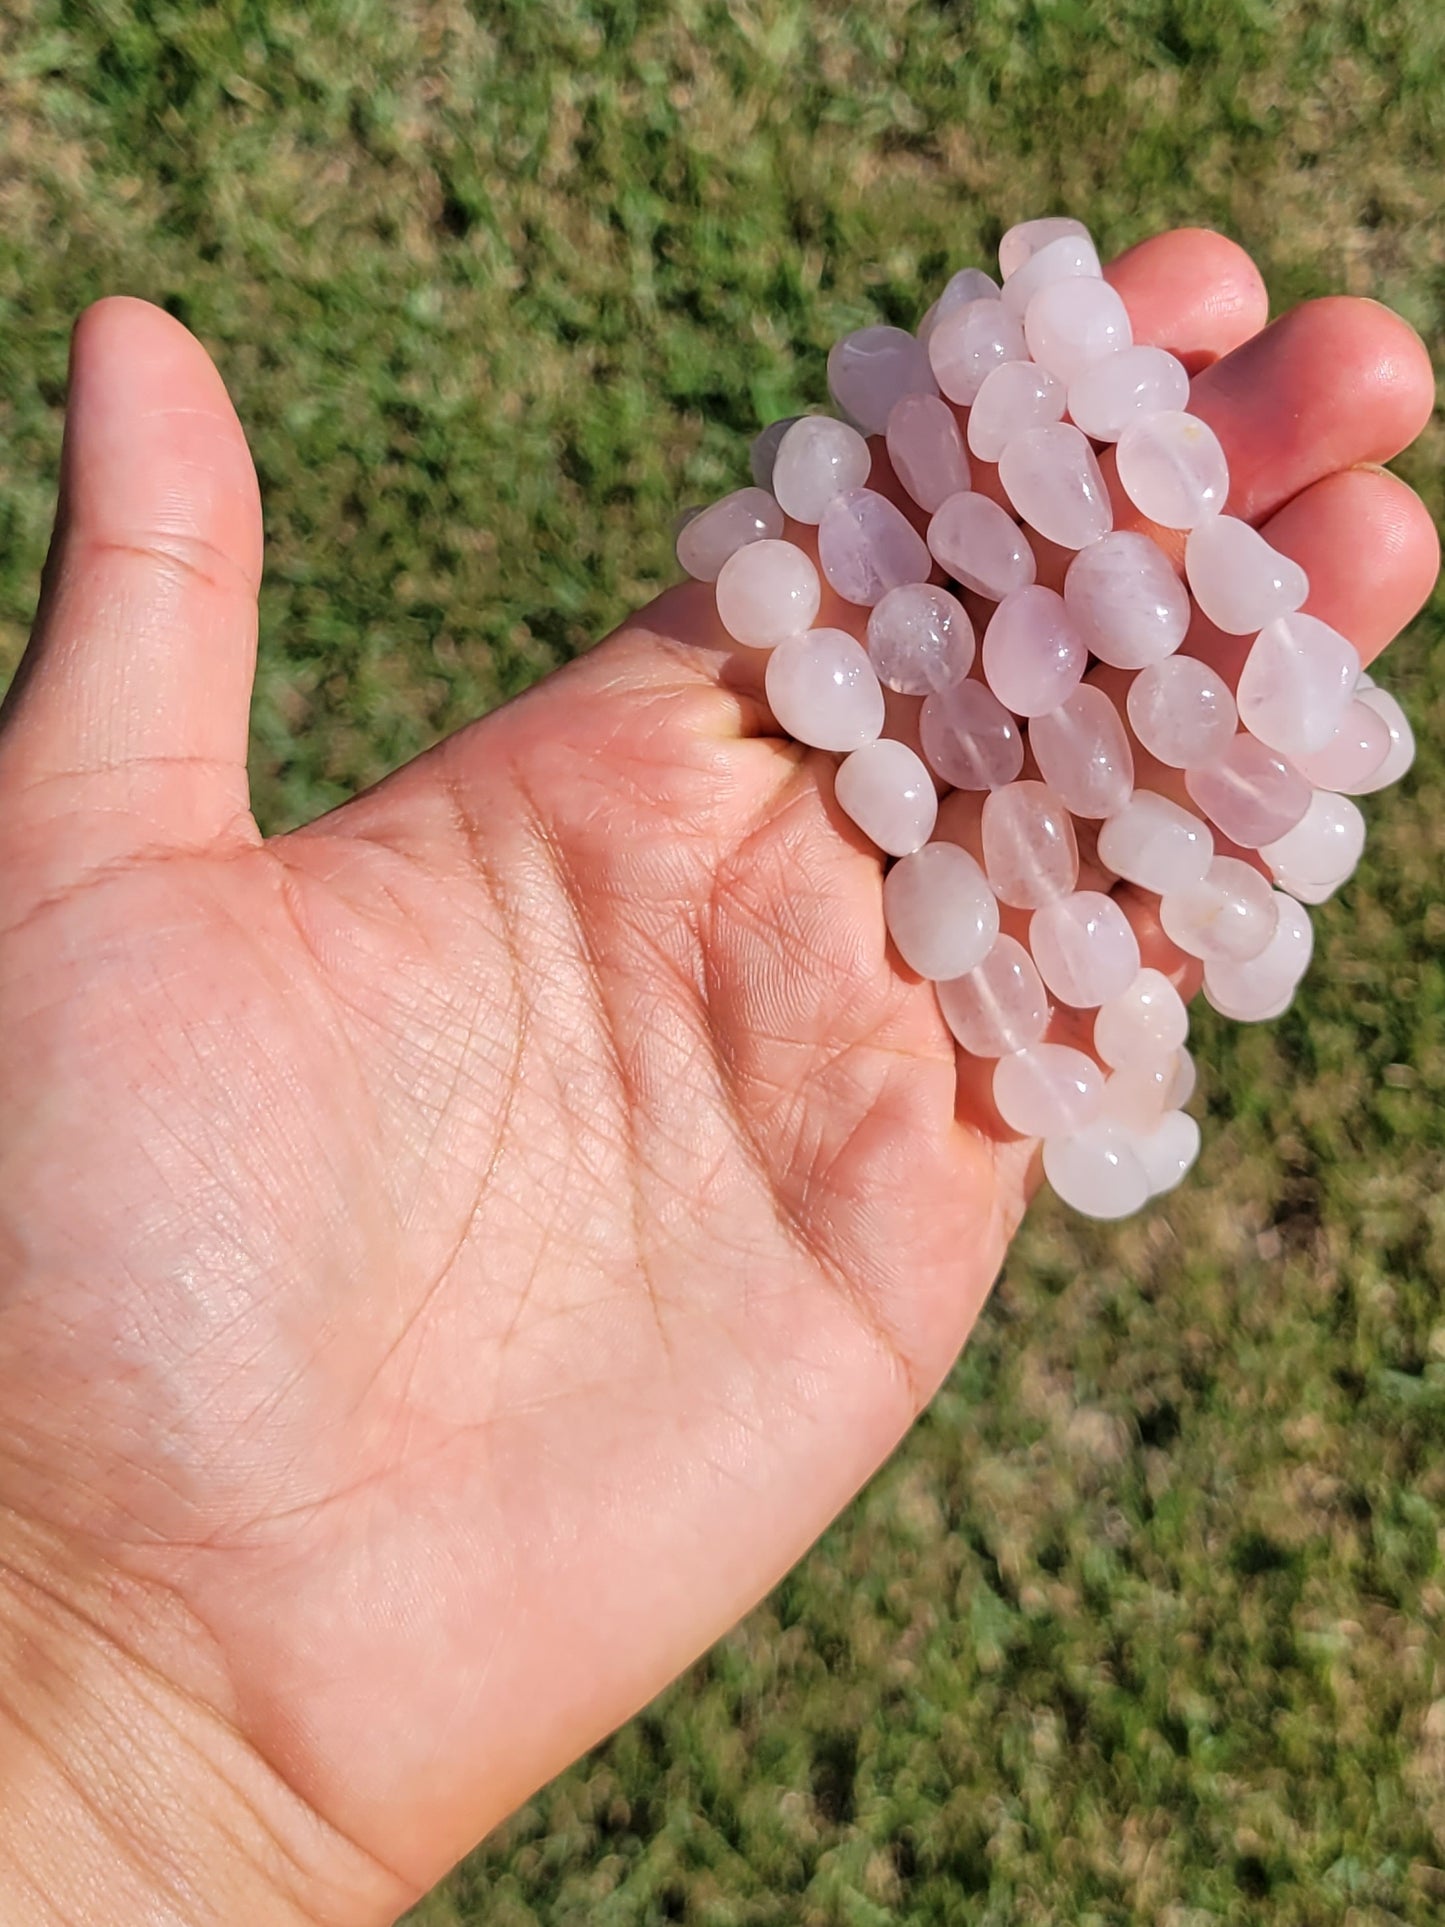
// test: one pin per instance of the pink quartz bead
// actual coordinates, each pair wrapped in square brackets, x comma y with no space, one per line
[1130,606]
[1137,1098]
[940,912]
[1052,477]
[822,690]
[920,639]
[763,450]
[1047,1090]
[1033,656]
[969,738]
[1249,792]
[926,450]
[1229,917]
[706,540]
[1237,579]
[1000,1005]
[1353,756]
[1155,844]
[969,343]
[866,547]
[1016,395]
[1123,387]
[818,459]
[1250,992]
[1402,741]
[1181,710]
[1185,1079]
[1172,469]
[869,370]
[1096,1172]
[1297,681]
[1069,257]
[1069,325]
[1313,859]
[889,794]
[1083,753]
[1030,852]
[1025,238]
[969,284]
[767,591]
[981,545]
[1167,1153]
[1145,1024]
[1084,948]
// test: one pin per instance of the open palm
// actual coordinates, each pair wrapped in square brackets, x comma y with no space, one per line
[455,1257]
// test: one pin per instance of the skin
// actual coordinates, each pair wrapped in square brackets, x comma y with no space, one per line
[454,1258]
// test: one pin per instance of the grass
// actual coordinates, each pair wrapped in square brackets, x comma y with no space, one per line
[1144,1621]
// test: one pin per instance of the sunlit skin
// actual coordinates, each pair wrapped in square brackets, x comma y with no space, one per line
[455,1257]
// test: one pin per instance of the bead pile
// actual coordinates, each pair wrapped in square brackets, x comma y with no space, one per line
[1079,712]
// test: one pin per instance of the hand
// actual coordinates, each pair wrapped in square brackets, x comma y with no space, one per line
[454,1258]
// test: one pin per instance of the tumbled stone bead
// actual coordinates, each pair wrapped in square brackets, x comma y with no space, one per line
[1249,792]
[707,539]
[926,450]
[1229,916]
[969,284]
[889,794]
[1070,325]
[1136,1098]
[1033,656]
[1083,753]
[1145,1024]
[1025,238]
[969,738]
[1130,606]
[1251,992]
[870,369]
[1016,395]
[1167,1153]
[1353,756]
[1181,710]
[763,450]
[940,912]
[1047,1090]
[822,690]
[1052,477]
[981,545]
[1096,1172]
[1000,1005]
[1402,741]
[1172,469]
[920,639]
[818,459]
[1030,852]
[1085,950]
[1297,681]
[1313,859]
[1123,387]
[767,591]
[1154,843]
[1072,257]
[1185,1078]
[969,343]
[1238,580]
[866,547]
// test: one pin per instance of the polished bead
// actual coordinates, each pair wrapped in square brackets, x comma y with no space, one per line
[869,370]
[981,546]
[767,591]
[763,451]
[1297,681]
[1096,1172]
[1402,741]
[1156,844]
[1052,477]
[1122,388]
[1047,1090]
[822,690]
[866,547]
[1230,916]
[887,790]
[1068,257]
[1354,755]
[1033,656]
[1074,323]
[818,459]
[707,539]
[1185,1079]
[1083,753]
[1030,852]
[926,450]
[1249,792]
[969,284]
[940,912]
[1025,238]
[1145,1024]
[1084,947]
[1313,859]
[1167,1153]
[1016,395]
[968,344]
[969,738]
[1000,1005]
[1137,1097]
[1250,992]
[1172,469]
[920,639]
[1237,579]
[1130,606]
[1181,710]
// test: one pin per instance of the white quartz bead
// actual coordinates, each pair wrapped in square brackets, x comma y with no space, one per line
[1145,1024]
[1123,387]
[1047,1090]
[1354,755]
[926,450]
[1181,710]
[822,690]
[1154,843]
[1083,753]
[1136,1098]
[1172,469]
[981,545]
[763,451]
[1025,238]
[969,343]
[1052,477]
[767,591]
[1016,395]
[866,547]
[1167,1153]
[869,370]
[1030,851]
[1238,580]
[940,912]
[920,639]
[1297,681]
[1033,655]
[889,794]
[1070,257]
[1313,859]
[1085,950]
[1069,325]
[1000,1005]
[707,539]
[1097,1172]
[1228,917]
[1250,992]
[1130,606]
[1402,740]
[969,284]
[818,459]
[1185,1079]
[1249,792]
[969,738]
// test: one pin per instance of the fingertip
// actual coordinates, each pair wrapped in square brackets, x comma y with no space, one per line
[1192,291]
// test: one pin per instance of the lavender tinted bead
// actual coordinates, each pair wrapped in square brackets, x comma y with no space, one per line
[708,538]
[969,343]
[999,1006]
[1083,753]
[817,460]
[969,738]
[1016,395]
[866,547]
[940,912]
[1130,606]
[822,690]
[1030,851]
[969,284]
[920,639]
[1024,239]
[1249,792]
[1070,325]
[1052,477]
[981,545]
[763,450]
[869,370]
[889,794]
[1172,469]
[1121,388]
[1033,656]
[1238,580]
[926,450]
[1084,948]
[1297,681]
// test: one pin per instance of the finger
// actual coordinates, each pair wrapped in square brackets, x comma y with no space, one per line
[1191,291]
[131,703]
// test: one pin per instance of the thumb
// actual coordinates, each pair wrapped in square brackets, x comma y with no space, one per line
[129,712]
